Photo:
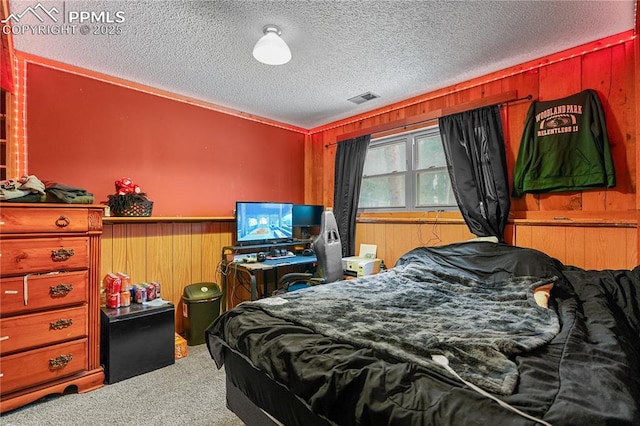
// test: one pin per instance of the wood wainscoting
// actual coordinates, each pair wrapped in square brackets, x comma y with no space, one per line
[588,245]
[580,240]
[175,252]
[178,252]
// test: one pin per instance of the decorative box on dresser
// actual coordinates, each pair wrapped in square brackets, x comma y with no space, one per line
[49,301]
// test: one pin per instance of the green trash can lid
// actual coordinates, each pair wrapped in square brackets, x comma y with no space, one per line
[201,291]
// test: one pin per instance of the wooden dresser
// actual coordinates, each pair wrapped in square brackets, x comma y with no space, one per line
[49,301]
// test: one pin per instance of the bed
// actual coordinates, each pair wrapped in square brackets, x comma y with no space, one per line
[472,333]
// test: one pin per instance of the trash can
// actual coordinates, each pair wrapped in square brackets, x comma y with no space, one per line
[201,306]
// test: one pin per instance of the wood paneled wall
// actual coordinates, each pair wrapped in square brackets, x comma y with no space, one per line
[395,235]
[609,70]
[607,66]
[587,244]
[175,254]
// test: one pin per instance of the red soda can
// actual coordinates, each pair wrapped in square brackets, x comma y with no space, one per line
[113,300]
[151,292]
[111,283]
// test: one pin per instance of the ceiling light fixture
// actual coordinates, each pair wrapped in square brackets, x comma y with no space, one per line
[271,49]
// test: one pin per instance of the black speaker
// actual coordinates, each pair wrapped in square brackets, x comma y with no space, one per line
[261,256]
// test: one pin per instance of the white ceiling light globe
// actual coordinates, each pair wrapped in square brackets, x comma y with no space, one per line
[271,49]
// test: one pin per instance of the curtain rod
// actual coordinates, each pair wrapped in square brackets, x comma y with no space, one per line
[435,114]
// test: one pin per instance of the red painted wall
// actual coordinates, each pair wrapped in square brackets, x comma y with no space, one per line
[191,161]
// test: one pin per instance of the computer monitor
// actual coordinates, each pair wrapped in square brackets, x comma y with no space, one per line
[306,215]
[263,222]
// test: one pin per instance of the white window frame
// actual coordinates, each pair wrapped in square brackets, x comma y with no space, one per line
[410,173]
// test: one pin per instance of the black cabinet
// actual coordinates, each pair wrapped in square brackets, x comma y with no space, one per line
[136,339]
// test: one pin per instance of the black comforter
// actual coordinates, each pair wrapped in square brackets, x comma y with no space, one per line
[587,373]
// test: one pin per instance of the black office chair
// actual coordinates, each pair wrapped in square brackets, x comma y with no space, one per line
[328,249]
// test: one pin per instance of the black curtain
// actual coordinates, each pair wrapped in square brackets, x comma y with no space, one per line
[474,148]
[350,157]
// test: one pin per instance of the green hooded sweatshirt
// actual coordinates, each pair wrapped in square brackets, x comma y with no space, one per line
[564,147]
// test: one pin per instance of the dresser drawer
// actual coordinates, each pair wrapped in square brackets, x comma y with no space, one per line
[32,220]
[36,292]
[21,256]
[38,366]
[45,328]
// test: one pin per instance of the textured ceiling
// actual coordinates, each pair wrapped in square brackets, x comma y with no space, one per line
[395,49]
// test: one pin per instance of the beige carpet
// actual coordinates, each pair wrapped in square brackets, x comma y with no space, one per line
[190,392]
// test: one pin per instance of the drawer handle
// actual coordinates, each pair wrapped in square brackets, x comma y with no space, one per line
[62,254]
[62,221]
[60,361]
[60,324]
[60,289]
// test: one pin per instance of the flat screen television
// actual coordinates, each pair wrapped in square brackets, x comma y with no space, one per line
[305,215]
[263,222]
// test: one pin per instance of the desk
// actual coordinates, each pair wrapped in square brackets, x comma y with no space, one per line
[268,265]
[232,264]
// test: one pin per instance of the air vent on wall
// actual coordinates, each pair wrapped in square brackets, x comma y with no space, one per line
[363,98]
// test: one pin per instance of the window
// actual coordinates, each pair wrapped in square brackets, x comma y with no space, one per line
[406,172]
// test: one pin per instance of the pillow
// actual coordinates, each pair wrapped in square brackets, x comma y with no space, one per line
[541,295]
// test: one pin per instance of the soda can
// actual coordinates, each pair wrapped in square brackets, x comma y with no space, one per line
[111,283]
[157,285]
[125,298]
[141,294]
[151,291]
[125,281]
[113,300]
